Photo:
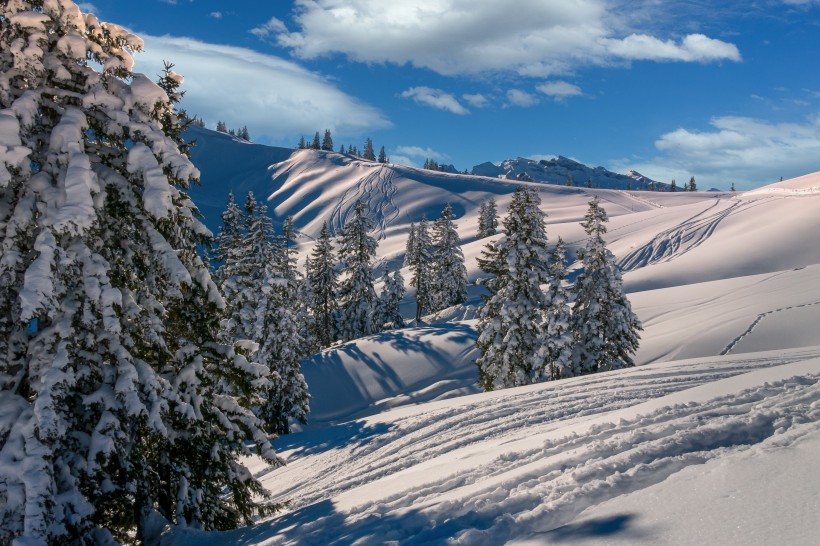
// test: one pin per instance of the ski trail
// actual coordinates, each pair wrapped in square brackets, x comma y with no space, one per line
[547,475]
[732,344]
[684,237]
[376,189]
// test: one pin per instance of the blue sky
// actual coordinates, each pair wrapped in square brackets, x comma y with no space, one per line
[729,94]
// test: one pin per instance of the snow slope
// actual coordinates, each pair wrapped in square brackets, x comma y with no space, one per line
[713,438]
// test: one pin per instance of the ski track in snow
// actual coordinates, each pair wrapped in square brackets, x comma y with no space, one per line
[686,236]
[377,190]
[532,489]
[728,349]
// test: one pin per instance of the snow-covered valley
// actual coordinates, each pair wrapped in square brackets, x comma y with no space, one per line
[714,436]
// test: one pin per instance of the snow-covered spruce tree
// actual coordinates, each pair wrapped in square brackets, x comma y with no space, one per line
[322,277]
[449,272]
[389,311]
[487,218]
[511,326]
[119,404]
[410,245]
[357,297]
[603,324]
[558,362]
[420,259]
[283,341]
[369,153]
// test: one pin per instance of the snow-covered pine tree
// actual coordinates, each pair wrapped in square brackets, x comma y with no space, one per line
[283,342]
[322,277]
[558,362]
[420,262]
[390,302]
[410,246]
[487,219]
[511,327]
[327,141]
[357,297]
[449,273]
[120,405]
[603,324]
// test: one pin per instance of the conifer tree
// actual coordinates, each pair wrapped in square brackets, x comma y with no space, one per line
[322,277]
[357,297]
[487,218]
[673,187]
[390,301]
[449,272]
[221,127]
[511,328]
[603,324]
[369,154]
[420,258]
[301,144]
[243,133]
[558,363]
[342,149]
[316,145]
[382,155]
[121,405]
[692,185]
[410,246]
[327,141]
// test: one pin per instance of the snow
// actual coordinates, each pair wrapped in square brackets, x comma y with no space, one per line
[712,438]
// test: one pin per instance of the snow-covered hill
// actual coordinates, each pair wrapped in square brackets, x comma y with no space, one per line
[713,438]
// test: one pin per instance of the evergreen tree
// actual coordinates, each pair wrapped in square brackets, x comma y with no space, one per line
[382,156]
[487,219]
[410,246]
[449,272]
[369,154]
[244,134]
[315,145]
[357,297]
[419,258]
[511,328]
[322,277]
[732,189]
[603,324]
[390,302]
[327,141]
[559,363]
[121,405]
[673,187]
[221,127]
[342,149]
[301,144]
[692,185]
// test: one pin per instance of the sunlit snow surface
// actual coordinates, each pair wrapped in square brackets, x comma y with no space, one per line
[714,439]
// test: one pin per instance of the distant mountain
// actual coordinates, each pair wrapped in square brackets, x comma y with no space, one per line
[564,171]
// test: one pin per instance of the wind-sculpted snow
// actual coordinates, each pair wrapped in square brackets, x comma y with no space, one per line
[377,190]
[494,467]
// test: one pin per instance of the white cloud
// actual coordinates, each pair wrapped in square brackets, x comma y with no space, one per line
[435,98]
[517,97]
[531,37]
[559,90]
[273,27]
[216,14]
[277,99]
[746,151]
[476,100]
[421,153]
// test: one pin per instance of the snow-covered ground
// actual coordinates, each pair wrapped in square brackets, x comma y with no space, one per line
[714,438]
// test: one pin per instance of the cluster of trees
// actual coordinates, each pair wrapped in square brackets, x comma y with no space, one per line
[437,263]
[326,143]
[240,133]
[690,186]
[527,330]
[123,404]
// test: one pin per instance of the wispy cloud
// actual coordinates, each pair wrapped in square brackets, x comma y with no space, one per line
[559,90]
[277,99]
[435,98]
[273,27]
[476,100]
[216,14]
[518,97]
[531,37]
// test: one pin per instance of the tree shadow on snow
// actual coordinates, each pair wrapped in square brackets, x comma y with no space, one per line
[620,525]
